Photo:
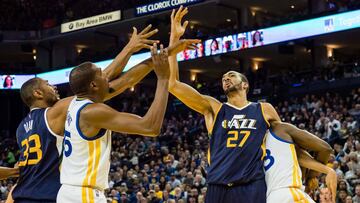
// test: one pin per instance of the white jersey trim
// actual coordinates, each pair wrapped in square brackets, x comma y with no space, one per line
[279,138]
[59,139]
[47,125]
[238,107]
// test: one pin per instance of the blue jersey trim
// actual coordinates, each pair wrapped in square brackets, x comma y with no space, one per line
[279,138]
[100,133]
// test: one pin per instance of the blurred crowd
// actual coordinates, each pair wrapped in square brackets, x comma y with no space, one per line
[170,168]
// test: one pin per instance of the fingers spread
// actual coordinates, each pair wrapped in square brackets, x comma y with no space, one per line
[178,13]
[145,29]
[184,12]
[149,34]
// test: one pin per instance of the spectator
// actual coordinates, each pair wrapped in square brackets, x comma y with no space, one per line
[356,198]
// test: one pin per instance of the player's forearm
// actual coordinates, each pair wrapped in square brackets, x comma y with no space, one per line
[322,150]
[310,142]
[155,115]
[130,78]
[306,161]
[118,64]
[174,69]
[8,172]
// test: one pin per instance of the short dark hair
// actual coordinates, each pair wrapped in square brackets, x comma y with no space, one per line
[26,90]
[81,77]
[244,79]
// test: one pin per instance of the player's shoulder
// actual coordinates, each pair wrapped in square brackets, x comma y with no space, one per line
[59,110]
[215,104]
[62,105]
[266,105]
[95,109]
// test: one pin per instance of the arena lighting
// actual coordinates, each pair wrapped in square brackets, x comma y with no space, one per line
[225,44]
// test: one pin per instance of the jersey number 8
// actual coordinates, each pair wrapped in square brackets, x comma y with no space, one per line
[28,150]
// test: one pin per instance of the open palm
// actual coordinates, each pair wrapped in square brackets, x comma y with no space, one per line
[178,29]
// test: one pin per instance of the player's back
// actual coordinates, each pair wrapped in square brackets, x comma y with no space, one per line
[39,159]
[86,161]
[282,171]
[281,166]
[237,145]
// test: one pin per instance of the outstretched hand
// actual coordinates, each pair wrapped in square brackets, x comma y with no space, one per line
[181,45]
[178,29]
[160,61]
[140,40]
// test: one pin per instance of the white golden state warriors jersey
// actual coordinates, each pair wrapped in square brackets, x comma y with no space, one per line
[282,169]
[86,161]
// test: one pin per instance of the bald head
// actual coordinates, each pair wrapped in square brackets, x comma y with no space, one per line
[81,77]
[27,90]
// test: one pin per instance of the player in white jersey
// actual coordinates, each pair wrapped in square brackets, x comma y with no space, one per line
[87,143]
[86,160]
[282,169]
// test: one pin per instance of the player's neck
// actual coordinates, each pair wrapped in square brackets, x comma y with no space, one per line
[93,98]
[39,105]
[237,99]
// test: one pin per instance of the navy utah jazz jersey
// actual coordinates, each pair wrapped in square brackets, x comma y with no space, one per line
[39,159]
[237,146]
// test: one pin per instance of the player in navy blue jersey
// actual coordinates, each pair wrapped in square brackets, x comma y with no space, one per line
[236,129]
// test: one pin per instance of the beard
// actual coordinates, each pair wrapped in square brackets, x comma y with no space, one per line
[233,88]
[51,100]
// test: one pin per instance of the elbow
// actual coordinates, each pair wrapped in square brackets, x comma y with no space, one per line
[156,132]
[153,132]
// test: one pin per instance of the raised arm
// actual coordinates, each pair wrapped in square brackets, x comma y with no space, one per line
[188,95]
[130,78]
[137,42]
[305,160]
[102,116]
[139,71]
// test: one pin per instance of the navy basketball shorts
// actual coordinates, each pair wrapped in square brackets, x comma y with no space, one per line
[253,192]
[32,201]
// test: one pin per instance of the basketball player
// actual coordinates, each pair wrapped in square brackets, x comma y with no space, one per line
[236,128]
[86,161]
[38,134]
[282,171]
